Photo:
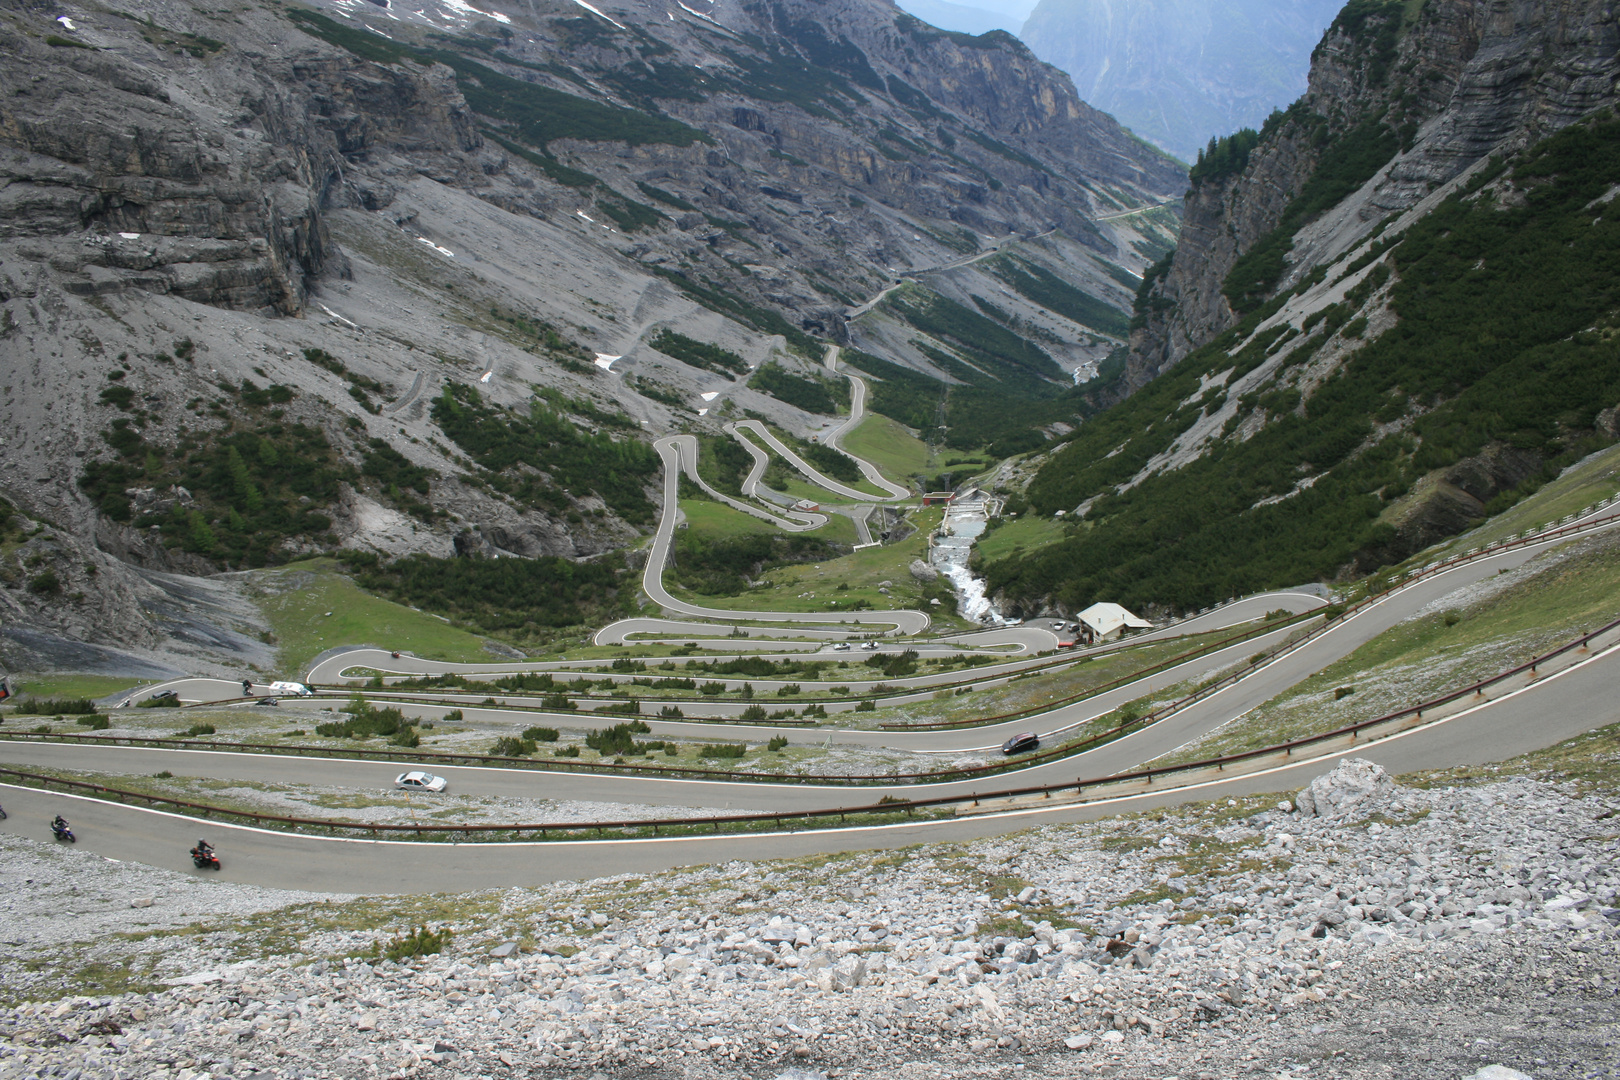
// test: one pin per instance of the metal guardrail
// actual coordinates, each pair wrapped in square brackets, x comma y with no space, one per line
[657,770]
[1551,531]
[332,691]
[888,807]
[1412,578]
[1123,680]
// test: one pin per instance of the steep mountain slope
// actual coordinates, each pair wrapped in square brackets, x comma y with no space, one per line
[1392,313]
[281,281]
[1181,72]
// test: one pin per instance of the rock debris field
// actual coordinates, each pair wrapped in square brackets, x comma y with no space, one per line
[1362,930]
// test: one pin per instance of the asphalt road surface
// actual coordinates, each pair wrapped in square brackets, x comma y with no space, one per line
[652,580]
[1556,708]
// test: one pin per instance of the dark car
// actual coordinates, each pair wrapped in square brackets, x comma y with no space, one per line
[1021,744]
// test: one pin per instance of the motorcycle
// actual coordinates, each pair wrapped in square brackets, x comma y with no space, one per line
[60,830]
[203,858]
[2,813]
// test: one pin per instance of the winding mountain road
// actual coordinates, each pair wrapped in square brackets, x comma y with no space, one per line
[857,413]
[1553,709]
[652,580]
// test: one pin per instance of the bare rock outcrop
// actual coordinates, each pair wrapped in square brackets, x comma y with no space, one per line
[1459,81]
[1355,786]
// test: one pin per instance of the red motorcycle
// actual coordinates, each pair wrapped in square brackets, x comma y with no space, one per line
[203,857]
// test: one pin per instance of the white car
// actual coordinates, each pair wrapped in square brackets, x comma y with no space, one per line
[420,781]
[291,689]
[871,646]
[842,646]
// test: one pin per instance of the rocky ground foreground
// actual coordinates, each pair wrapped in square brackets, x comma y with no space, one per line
[1361,930]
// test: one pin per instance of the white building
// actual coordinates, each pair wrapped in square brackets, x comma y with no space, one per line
[1107,622]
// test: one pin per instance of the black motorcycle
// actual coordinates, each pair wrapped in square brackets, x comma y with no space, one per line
[60,830]
[203,857]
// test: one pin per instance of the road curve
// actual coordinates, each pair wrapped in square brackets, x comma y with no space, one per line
[857,413]
[764,433]
[1028,640]
[652,579]
[1559,707]
[687,446]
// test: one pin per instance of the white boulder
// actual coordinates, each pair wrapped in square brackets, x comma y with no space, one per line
[1355,785]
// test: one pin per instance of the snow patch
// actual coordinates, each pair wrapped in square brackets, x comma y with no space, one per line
[689,11]
[338,317]
[609,18]
[710,396]
[605,362]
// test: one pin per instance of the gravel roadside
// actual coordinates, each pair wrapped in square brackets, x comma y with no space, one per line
[1374,931]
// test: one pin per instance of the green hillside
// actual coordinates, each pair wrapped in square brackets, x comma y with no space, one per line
[1507,297]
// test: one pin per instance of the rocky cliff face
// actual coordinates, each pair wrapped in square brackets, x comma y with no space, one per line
[268,241]
[1454,83]
[1372,333]
[133,167]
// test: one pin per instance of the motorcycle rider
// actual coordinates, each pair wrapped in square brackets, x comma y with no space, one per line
[202,851]
[60,825]
[247,687]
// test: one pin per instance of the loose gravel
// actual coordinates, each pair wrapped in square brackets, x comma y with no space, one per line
[1374,931]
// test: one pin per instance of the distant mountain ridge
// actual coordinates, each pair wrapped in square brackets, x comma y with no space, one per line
[972,18]
[1180,72]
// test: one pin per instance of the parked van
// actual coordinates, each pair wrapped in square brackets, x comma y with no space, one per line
[296,689]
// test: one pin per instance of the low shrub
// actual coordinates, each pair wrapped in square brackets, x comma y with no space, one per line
[867,705]
[195,730]
[94,723]
[619,739]
[777,745]
[566,751]
[541,734]
[365,721]
[56,707]
[671,712]
[724,751]
[454,716]
[754,712]
[511,746]
[420,942]
[558,702]
[712,688]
